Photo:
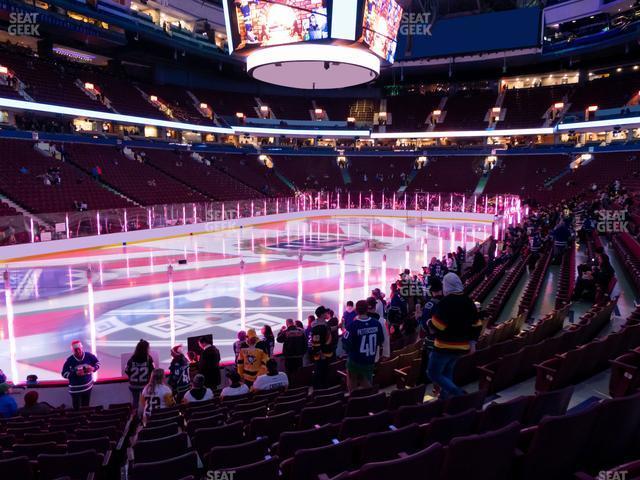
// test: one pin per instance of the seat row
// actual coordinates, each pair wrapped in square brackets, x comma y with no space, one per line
[586,360]
[521,364]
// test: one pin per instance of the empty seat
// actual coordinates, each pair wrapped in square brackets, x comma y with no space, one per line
[356,426]
[158,432]
[77,465]
[331,413]
[377,447]
[271,427]
[229,456]
[161,448]
[174,468]
[406,396]
[420,414]
[17,467]
[290,442]
[498,415]
[264,470]
[207,438]
[308,463]
[442,429]
[557,445]
[461,403]
[615,432]
[487,456]
[360,406]
[207,422]
[549,403]
[426,463]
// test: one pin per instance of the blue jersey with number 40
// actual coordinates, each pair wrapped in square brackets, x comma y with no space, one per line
[362,340]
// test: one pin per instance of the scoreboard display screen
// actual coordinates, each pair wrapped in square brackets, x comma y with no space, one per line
[264,23]
[380,27]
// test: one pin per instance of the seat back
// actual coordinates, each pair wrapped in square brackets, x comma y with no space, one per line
[73,465]
[420,414]
[205,439]
[442,429]
[314,437]
[331,413]
[174,468]
[567,434]
[377,447]
[360,406]
[406,396]
[427,461]
[461,403]
[498,415]
[158,449]
[551,403]
[487,456]
[331,459]
[356,426]
[230,456]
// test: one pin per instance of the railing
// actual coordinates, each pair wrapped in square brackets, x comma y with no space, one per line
[57,226]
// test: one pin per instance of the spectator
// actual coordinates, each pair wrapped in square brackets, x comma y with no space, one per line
[334,327]
[268,340]
[272,380]
[179,380]
[348,315]
[209,364]
[424,322]
[32,406]
[456,324]
[156,395]
[479,262]
[396,310]
[380,302]
[561,235]
[294,346]
[78,369]
[362,342]
[372,306]
[320,347]
[236,387]
[252,360]
[8,405]
[241,342]
[198,392]
[138,369]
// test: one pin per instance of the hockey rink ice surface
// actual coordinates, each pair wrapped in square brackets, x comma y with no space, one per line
[132,295]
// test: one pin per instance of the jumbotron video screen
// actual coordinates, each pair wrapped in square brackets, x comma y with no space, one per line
[263,23]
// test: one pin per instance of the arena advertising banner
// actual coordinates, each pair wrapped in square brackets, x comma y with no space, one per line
[263,23]
[380,26]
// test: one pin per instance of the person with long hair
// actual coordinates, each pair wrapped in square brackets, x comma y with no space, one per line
[268,340]
[138,369]
[156,395]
